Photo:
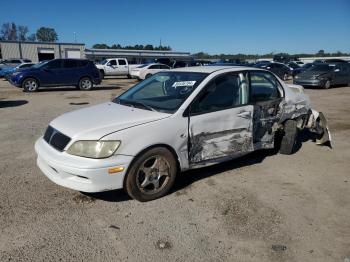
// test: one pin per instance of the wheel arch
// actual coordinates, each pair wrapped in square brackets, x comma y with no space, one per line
[168,147]
[26,77]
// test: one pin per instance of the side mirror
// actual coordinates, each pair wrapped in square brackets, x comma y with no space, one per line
[268,68]
[336,70]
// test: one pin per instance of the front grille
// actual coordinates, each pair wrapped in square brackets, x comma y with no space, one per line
[55,138]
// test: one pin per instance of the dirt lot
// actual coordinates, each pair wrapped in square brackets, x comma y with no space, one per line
[263,207]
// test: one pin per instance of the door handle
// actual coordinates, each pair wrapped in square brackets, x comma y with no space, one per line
[244,114]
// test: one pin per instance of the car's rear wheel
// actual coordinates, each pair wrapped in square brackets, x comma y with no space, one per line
[327,84]
[129,76]
[85,84]
[151,175]
[289,138]
[30,85]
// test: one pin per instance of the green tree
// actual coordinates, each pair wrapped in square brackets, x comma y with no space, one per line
[100,46]
[8,31]
[46,34]
[22,33]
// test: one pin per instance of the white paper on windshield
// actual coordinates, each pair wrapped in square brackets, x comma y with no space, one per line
[184,83]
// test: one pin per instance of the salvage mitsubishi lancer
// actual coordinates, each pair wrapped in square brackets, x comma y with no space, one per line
[174,121]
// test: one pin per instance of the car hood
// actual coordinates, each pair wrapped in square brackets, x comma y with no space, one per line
[97,121]
[307,74]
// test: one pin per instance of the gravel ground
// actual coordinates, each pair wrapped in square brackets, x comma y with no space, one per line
[262,207]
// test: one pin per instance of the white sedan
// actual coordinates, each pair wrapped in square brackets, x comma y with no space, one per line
[174,121]
[147,70]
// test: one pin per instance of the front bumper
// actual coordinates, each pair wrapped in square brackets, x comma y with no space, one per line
[15,81]
[308,82]
[79,173]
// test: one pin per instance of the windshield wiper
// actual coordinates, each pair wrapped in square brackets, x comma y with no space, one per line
[137,104]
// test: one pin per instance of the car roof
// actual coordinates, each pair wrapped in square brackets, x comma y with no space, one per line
[210,69]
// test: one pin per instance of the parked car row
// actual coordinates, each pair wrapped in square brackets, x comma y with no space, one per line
[84,74]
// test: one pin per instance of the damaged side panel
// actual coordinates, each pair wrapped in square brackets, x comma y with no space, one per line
[221,134]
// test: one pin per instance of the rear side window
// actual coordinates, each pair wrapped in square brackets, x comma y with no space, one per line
[121,62]
[70,64]
[27,60]
[224,92]
[264,87]
[15,61]
[154,67]
[25,65]
[83,63]
[163,67]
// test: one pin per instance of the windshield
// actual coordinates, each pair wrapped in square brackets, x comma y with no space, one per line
[163,92]
[321,68]
[104,61]
[40,64]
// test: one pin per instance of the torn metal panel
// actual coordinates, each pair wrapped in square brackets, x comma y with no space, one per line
[266,117]
[317,124]
[221,134]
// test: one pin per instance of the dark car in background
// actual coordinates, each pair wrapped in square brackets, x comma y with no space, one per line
[58,72]
[324,75]
[279,69]
[301,69]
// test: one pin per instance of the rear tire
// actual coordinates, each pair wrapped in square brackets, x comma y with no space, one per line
[151,175]
[85,84]
[289,138]
[30,85]
[129,76]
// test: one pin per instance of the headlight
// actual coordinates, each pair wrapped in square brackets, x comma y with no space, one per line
[93,149]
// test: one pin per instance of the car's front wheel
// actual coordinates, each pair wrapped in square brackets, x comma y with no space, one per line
[290,137]
[327,84]
[151,175]
[148,76]
[85,84]
[30,85]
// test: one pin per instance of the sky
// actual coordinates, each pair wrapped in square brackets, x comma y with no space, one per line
[214,27]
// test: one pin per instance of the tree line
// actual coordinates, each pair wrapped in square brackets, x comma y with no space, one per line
[320,53]
[132,47]
[13,32]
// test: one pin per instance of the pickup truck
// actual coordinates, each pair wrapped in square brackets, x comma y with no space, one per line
[115,67]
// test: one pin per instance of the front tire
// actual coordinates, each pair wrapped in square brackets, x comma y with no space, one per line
[30,85]
[148,76]
[151,175]
[85,84]
[327,84]
[289,138]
